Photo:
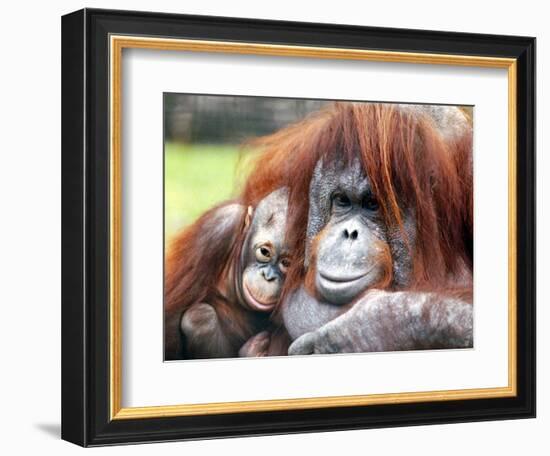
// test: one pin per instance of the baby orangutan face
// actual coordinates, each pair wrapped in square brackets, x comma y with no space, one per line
[264,255]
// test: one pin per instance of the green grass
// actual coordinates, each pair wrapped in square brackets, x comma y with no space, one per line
[197,177]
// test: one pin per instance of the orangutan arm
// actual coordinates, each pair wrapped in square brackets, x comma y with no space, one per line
[203,333]
[393,321]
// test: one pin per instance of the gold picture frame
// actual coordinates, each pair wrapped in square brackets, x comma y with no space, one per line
[117,46]
[115,42]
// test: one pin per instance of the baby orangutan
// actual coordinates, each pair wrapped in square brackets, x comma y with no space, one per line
[224,277]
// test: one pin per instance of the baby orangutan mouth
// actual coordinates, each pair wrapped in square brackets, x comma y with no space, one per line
[256,300]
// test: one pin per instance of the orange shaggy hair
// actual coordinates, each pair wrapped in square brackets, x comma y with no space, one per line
[409,164]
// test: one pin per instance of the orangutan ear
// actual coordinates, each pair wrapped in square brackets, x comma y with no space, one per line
[248,217]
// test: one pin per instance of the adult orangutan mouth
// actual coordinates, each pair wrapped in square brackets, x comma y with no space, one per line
[342,279]
[255,303]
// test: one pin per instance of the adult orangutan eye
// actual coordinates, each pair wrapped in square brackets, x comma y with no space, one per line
[370,203]
[341,200]
[284,264]
[263,254]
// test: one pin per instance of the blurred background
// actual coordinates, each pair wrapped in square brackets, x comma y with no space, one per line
[202,149]
[204,161]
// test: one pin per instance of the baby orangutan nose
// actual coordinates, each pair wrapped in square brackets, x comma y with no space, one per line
[268,274]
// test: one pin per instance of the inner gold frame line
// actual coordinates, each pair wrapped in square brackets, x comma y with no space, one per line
[116,46]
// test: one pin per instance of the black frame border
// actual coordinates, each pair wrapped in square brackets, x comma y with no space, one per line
[85,227]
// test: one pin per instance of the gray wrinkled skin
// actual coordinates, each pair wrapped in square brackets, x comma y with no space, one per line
[352,262]
[325,180]
[343,266]
[393,321]
[303,313]
[402,247]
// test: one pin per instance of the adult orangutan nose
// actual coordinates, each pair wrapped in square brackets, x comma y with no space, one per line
[352,235]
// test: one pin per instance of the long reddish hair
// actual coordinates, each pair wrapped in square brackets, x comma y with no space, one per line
[409,162]
[196,260]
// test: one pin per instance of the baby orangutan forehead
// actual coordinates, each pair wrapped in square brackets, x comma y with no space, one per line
[271,214]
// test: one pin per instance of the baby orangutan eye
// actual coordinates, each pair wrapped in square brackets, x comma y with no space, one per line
[284,264]
[263,254]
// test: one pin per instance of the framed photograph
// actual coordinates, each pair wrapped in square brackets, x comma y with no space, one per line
[275,227]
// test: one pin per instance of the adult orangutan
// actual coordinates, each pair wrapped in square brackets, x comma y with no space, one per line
[382,246]
[224,275]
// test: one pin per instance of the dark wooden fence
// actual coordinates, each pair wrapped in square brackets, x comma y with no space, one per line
[229,119]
